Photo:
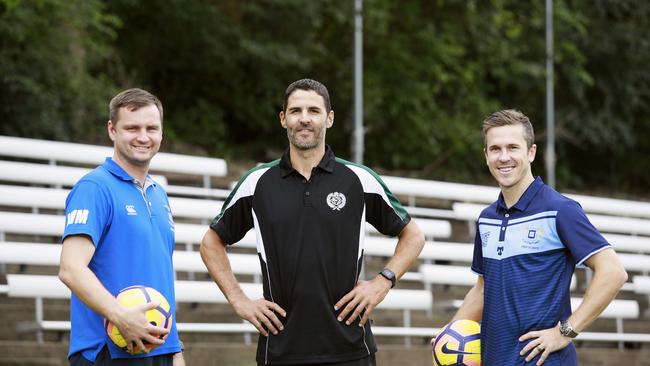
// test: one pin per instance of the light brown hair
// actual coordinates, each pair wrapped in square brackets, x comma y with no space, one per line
[509,117]
[132,99]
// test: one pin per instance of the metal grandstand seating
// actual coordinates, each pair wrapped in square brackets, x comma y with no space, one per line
[41,287]
[49,287]
[204,209]
[459,192]
[53,151]
[608,224]
[435,274]
[47,174]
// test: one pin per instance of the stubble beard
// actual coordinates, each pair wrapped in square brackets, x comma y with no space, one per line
[305,145]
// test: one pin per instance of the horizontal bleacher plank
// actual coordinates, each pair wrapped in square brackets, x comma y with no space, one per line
[53,225]
[50,287]
[94,155]
[447,275]
[629,243]
[641,284]
[617,309]
[48,174]
[437,274]
[56,175]
[460,192]
[53,198]
[611,224]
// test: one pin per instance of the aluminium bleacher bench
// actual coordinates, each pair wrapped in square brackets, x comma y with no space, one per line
[41,287]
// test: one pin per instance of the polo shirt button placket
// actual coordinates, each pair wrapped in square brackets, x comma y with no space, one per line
[307,194]
[502,235]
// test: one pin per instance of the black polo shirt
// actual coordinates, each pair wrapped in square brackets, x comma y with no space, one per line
[310,240]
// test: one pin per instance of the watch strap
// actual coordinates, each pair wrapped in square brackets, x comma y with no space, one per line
[389,275]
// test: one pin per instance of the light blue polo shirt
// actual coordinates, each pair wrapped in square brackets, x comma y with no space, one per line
[527,254]
[133,234]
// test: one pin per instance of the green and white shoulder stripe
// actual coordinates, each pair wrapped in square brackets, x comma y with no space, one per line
[245,186]
[372,183]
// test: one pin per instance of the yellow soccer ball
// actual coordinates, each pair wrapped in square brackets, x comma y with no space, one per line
[133,296]
[458,344]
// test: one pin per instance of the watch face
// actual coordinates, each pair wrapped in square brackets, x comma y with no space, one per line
[566,330]
[389,275]
[563,328]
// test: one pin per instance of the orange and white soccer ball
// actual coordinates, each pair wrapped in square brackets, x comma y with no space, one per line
[133,296]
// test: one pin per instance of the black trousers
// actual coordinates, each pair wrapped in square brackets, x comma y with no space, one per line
[104,359]
[366,361]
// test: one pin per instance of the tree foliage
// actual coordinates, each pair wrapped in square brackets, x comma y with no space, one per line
[55,58]
[432,71]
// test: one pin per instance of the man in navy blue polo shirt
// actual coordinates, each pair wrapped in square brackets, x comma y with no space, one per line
[119,233]
[527,245]
[309,211]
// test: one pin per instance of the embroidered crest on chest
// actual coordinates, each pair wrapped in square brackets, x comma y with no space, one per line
[336,201]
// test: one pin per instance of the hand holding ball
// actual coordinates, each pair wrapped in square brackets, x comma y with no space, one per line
[138,295]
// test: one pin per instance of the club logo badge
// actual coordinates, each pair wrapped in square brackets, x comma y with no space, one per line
[485,237]
[336,201]
[130,210]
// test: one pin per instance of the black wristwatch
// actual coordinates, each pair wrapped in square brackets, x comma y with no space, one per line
[566,329]
[389,275]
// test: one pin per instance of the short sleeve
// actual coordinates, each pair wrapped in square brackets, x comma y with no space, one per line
[386,215]
[477,261]
[234,222]
[236,216]
[577,233]
[87,210]
[383,210]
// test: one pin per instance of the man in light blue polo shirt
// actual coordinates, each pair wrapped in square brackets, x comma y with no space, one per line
[119,232]
[527,245]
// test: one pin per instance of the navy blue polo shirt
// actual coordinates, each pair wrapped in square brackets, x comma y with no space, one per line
[133,233]
[310,240]
[527,254]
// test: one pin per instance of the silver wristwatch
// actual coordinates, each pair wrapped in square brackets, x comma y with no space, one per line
[566,329]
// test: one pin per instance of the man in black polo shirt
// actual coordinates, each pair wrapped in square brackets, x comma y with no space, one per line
[309,210]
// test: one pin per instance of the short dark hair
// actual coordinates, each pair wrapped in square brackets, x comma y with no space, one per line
[308,84]
[132,99]
[509,117]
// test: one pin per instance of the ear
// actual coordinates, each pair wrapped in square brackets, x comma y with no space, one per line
[110,127]
[531,153]
[487,162]
[330,119]
[283,122]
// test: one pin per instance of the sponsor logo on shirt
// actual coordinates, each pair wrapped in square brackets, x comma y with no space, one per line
[485,236]
[77,217]
[532,235]
[130,210]
[499,250]
[336,201]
